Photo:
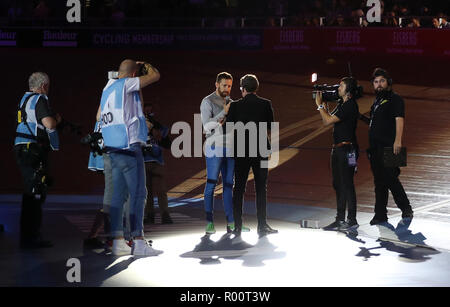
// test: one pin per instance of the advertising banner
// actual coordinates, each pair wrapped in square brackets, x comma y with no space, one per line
[367,41]
[327,41]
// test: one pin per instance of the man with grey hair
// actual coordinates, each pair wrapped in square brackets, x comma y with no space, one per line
[36,135]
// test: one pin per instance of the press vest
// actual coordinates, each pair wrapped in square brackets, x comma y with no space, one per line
[27,128]
[115,130]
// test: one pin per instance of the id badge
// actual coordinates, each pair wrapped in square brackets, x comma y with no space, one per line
[351,156]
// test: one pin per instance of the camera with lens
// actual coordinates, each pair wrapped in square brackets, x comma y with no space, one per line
[329,92]
[142,70]
[95,142]
[147,149]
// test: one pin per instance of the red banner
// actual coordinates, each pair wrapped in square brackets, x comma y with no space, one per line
[366,41]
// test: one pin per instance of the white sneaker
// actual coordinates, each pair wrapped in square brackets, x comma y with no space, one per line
[143,248]
[120,248]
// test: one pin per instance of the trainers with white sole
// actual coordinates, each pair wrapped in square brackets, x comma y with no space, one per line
[120,248]
[144,248]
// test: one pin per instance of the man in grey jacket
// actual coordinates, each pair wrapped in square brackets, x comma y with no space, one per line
[217,150]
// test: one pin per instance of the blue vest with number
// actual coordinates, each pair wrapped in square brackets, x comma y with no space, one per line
[114,128]
[30,126]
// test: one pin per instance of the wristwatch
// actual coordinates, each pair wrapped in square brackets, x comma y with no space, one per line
[320,107]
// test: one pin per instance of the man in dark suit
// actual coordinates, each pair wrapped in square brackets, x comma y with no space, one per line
[251,118]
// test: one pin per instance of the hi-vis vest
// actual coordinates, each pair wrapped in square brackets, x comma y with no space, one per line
[96,163]
[27,128]
[114,128]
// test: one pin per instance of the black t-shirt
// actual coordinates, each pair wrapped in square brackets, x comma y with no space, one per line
[345,129]
[382,129]
[42,110]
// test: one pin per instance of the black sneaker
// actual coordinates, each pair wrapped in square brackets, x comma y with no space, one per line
[377,220]
[166,219]
[349,224]
[333,226]
[265,230]
[407,214]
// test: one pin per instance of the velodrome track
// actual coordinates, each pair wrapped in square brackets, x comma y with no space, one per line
[415,254]
[303,174]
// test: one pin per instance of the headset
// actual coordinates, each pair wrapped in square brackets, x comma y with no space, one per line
[352,87]
[381,72]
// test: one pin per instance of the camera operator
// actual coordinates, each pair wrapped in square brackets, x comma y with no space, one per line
[124,133]
[36,135]
[386,122]
[345,150]
[154,165]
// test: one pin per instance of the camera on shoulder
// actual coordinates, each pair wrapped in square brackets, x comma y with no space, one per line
[329,92]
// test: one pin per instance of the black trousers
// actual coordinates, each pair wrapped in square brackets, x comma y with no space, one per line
[343,183]
[385,180]
[29,160]
[241,171]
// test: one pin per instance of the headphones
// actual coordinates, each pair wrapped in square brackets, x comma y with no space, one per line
[381,72]
[351,85]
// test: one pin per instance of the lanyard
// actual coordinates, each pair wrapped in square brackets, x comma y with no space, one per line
[376,104]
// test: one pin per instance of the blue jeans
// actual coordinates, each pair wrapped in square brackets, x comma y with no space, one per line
[214,165]
[107,171]
[128,176]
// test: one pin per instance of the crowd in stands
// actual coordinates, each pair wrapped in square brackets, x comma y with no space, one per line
[229,13]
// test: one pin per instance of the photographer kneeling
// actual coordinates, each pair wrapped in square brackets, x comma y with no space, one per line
[345,148]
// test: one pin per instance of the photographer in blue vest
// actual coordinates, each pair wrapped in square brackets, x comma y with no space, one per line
[36,135]
[158,140]
[124,133]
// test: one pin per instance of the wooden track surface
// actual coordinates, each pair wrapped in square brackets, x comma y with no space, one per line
[303,175]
